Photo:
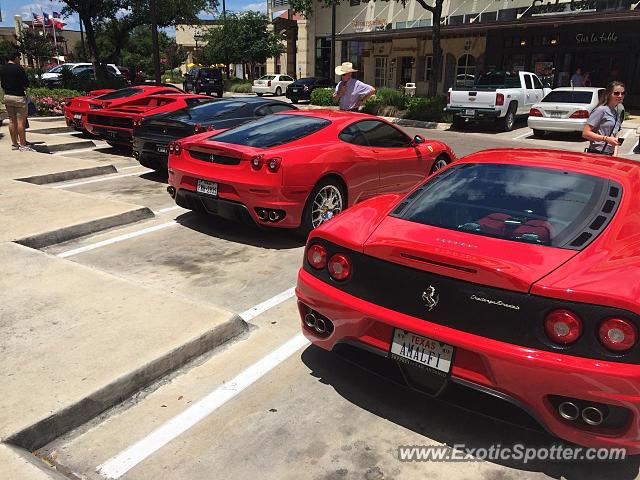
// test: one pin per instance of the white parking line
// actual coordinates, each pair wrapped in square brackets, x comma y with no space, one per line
[117,239]
[523,135]
[72,133]
[167,209]
[266,305]
[139,451]
[130,167]
[103,179]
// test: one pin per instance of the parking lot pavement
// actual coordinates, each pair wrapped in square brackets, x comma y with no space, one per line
[268,405]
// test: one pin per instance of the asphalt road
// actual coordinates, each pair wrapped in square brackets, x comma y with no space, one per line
[269,405]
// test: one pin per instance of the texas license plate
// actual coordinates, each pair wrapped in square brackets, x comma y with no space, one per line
[555,114]
[208,188]
[162,149]
[294,90]
[421,351]
[470,112]
[77,116]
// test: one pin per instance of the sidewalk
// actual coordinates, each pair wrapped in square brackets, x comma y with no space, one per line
[75,341]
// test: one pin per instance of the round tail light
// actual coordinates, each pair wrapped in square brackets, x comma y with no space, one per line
[562,326]
[256,162]
[618,334]
[339,267]
[317,256]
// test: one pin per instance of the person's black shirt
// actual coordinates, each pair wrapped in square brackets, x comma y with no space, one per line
[13,79]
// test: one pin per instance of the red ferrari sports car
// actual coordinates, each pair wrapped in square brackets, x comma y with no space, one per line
[512,272]
[298,169]
[115,124]
[77,108]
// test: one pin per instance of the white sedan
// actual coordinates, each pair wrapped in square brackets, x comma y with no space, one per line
[275,84]
[565,109]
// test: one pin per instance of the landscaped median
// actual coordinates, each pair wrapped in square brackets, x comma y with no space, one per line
[421,112]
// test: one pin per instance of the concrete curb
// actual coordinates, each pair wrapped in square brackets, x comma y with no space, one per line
[46,239]
[420,124]
[46,430]
[63,147]
[69,175]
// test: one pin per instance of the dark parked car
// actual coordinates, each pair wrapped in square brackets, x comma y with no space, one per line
[301,89]
[82,73]
[204,80]
[152,137]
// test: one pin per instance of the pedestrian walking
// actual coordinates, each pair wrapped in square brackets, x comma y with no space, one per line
[14,81]
[605,122]
[577,80]
[350,93]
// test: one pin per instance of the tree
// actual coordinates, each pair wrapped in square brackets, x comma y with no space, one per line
[434,6]
[242,38]
[5,48]
[34,45]
[108,16]
[173,54]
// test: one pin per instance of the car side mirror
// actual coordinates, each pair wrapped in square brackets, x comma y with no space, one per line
[417,140]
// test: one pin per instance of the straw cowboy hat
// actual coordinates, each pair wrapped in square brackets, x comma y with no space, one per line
[346,67]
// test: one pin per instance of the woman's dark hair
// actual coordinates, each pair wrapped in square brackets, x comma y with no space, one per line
[609,91]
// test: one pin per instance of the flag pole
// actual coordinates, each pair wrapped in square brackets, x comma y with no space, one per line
[55,42]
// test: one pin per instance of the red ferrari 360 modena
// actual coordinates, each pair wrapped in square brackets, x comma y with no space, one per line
[116,124]
[512,272]
[76,109]
[298,169]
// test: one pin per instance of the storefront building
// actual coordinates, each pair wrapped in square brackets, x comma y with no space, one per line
[391,44]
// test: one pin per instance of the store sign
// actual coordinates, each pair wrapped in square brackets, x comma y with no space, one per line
[368,25]
[602,38]
[540,7]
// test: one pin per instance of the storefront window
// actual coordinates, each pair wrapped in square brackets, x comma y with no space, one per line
[406,70]
[323,57]
[466,70]
[380,78]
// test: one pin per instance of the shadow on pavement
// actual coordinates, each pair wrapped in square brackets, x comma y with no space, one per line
[472,420]
[240,233]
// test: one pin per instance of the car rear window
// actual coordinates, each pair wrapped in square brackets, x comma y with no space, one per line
[211,73]
[122,93]
[568,96]
[203,113]
[498,79]
[513,202]
[272,131]
[267,77]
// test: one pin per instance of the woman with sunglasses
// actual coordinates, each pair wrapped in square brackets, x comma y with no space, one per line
[605,121]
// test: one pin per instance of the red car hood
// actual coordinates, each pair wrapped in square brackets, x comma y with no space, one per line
[473,258]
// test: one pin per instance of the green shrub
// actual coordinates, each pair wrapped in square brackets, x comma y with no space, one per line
[229,82]
[172,76]
[390,97]
[371,105]
[50,102]
[241,87]
[34,75]
[322,97]
[426,109]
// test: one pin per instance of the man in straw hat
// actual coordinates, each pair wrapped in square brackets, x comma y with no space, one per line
[350,93]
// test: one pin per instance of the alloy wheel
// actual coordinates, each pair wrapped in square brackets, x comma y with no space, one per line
[327,204]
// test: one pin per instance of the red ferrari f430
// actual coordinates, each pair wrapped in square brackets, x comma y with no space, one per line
[298,169]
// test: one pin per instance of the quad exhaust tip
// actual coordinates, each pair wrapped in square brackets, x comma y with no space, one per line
[592,416]
[171,191]
[321,325]
[569,411]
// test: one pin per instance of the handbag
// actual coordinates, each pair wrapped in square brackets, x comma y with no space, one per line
[602,150]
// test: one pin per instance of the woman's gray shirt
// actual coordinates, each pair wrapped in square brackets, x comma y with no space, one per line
[606,121]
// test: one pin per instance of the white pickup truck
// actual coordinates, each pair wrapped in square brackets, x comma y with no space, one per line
[497,96]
